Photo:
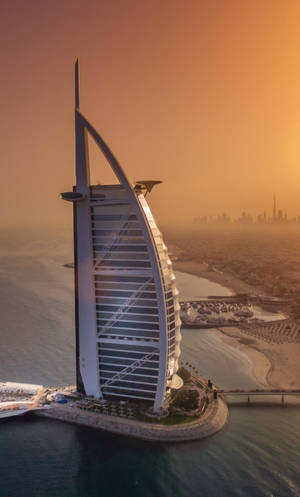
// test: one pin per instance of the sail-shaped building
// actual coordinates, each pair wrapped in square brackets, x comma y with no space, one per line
[126,301]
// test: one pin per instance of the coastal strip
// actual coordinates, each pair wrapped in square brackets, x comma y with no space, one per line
[212,421]
[228,281]
[261,364]
[275,363]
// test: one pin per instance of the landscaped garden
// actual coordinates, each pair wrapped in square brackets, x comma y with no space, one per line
[186,404]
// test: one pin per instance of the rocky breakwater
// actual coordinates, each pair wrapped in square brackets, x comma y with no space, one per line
[213,420]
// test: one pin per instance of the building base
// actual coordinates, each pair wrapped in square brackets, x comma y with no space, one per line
[213,420]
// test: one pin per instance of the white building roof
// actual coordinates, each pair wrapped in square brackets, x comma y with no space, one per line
[25,388]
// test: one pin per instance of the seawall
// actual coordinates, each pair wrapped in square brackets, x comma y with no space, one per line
[212,421]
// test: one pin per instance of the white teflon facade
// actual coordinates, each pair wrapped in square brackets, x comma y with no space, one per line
[137,357]
[127,309]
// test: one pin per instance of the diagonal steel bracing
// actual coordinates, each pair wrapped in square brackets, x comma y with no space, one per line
[125,307]
[129,369]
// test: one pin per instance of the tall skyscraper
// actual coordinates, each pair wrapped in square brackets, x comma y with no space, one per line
[274,208]
[127,309]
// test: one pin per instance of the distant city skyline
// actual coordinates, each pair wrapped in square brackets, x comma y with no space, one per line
[278,216]
[182,89]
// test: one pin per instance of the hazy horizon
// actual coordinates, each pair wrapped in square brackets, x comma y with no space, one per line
[204,97]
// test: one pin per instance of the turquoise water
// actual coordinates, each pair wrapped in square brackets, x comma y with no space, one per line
[257,454]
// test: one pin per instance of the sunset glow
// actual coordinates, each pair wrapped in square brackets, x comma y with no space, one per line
[204,96]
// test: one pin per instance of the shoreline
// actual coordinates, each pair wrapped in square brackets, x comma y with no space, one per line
[226,280]
[260,362]
[273,365]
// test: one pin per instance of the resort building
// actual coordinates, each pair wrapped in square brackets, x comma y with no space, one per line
[127,309]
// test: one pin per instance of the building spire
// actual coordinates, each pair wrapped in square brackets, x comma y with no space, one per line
[274,208]
[77,84]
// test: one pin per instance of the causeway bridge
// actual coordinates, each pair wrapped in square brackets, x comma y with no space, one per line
[259,392]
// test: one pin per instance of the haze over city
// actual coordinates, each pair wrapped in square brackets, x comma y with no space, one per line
[204,96]
[150,337]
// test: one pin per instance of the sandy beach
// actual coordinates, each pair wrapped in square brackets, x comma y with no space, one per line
[274,365]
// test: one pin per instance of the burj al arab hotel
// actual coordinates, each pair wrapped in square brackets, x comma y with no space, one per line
[126,301]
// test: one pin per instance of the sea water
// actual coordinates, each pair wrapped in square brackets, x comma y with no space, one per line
[257,454]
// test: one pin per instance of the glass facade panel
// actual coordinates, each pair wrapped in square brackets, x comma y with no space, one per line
[123,264]
[132,325]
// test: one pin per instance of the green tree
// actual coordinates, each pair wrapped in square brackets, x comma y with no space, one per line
[184,374]
[186,400]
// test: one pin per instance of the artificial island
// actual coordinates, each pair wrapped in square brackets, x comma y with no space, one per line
[127,314]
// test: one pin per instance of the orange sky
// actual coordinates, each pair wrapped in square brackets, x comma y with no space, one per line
[202,95]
